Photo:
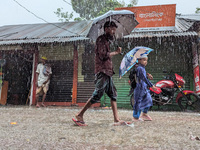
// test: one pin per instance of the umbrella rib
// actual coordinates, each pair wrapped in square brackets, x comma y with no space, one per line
[116,21]
[121,24]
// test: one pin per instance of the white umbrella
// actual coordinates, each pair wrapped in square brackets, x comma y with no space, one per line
[124,19]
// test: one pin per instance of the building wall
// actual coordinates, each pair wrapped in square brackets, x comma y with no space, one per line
[61,59]
[57,52]
[16,63]
[85,73]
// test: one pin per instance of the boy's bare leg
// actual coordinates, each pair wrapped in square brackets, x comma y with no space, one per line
[114,109]
[79,116]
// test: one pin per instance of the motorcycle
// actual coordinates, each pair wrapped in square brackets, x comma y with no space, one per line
[165,93]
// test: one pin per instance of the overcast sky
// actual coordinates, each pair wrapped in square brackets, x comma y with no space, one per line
[11,13]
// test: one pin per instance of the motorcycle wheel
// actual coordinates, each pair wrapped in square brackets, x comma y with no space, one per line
[192,105]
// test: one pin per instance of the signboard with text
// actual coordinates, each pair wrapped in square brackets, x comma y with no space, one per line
[154,18]
[196,79]
[195,61]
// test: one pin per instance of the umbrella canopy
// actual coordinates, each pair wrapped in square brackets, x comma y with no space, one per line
[124,19]
[130,59]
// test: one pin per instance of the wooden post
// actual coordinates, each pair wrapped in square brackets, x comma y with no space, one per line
[33,86]
[4,93]
[75,76]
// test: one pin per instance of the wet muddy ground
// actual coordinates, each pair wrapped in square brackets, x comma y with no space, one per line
[30,128]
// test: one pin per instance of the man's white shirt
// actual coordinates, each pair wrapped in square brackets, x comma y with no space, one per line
[41,77]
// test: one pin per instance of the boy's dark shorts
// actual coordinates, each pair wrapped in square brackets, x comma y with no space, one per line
[103,83]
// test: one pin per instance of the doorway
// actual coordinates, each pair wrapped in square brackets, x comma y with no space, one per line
[17,71]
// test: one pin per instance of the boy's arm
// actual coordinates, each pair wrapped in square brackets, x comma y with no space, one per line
[149,76]
[144,78]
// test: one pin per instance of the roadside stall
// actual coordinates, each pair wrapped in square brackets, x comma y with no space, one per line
[21,47]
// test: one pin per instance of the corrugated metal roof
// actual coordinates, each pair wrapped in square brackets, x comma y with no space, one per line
[43,40]
[183,25]
[182,28]
[194,17]
[77,31]
[187,22]
[44,33]
[160,34]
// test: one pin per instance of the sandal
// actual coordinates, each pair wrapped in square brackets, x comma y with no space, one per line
[79,123]
[130,123]
[120,123]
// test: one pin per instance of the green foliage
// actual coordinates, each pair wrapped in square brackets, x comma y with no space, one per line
[197,10]
[64,16]
[89,9]
[132,3]
[79,19]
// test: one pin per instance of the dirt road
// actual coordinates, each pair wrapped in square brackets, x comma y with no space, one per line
[29,128]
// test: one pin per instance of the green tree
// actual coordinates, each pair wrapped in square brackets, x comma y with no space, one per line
[197,10]
[64,16]
[89,9]
[132,3]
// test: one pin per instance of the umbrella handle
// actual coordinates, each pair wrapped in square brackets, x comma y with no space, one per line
[121,52]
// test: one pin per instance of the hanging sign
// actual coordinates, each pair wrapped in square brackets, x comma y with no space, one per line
[195,61]
[154,18]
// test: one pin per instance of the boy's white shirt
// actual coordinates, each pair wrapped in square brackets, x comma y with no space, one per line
[41,77]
